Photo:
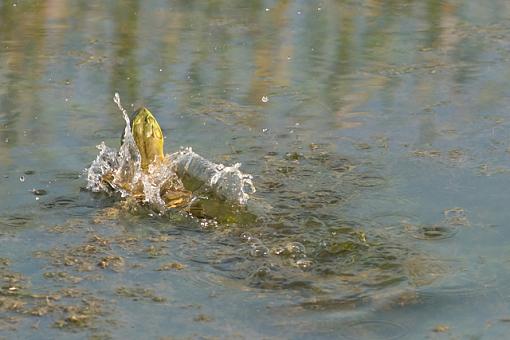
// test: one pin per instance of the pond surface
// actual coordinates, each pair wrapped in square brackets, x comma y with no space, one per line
[377,133]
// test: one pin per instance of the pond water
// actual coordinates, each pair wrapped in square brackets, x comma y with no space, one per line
[377,134]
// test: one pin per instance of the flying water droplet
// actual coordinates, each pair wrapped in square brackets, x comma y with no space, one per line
[265,99]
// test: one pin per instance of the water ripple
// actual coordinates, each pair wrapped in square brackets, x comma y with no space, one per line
[15,221]
[373,329]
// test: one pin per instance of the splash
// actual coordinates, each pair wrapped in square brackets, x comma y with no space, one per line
[227,182]
[119,171]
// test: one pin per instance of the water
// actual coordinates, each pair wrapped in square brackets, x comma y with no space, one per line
[376,134]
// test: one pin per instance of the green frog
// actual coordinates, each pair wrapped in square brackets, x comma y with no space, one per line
[149,141]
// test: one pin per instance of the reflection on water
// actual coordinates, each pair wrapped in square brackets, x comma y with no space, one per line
[376,132]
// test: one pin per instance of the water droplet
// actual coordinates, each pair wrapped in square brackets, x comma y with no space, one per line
[67,99]
[319,8]
[304,264]
[206,223]
[245,236]
[265,130]
[268,9]
[37,198]
[22,179]
[265,99]
[259,250]
[39,192]
[160,70]
[299,12]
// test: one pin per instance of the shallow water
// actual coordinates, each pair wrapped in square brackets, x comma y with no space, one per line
[376,131]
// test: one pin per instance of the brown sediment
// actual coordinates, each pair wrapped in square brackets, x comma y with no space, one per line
[171,266]
[139,293]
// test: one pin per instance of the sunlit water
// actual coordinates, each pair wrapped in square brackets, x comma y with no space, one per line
[377,134]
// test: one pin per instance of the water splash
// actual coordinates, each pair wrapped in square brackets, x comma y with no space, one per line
[227,182]
[161,186]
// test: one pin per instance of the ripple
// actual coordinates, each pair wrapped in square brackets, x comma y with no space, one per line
[373,329]
[431,232]
[219,256]
[458,286]
[291,250]
[270,276]
[39,192]
[70,175]
[107,133]
[15,221]
[259,250]
[60,202]
[72,205]
[367,181]
[350,302]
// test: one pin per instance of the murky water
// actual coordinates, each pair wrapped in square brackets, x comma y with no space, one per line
[377,133]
